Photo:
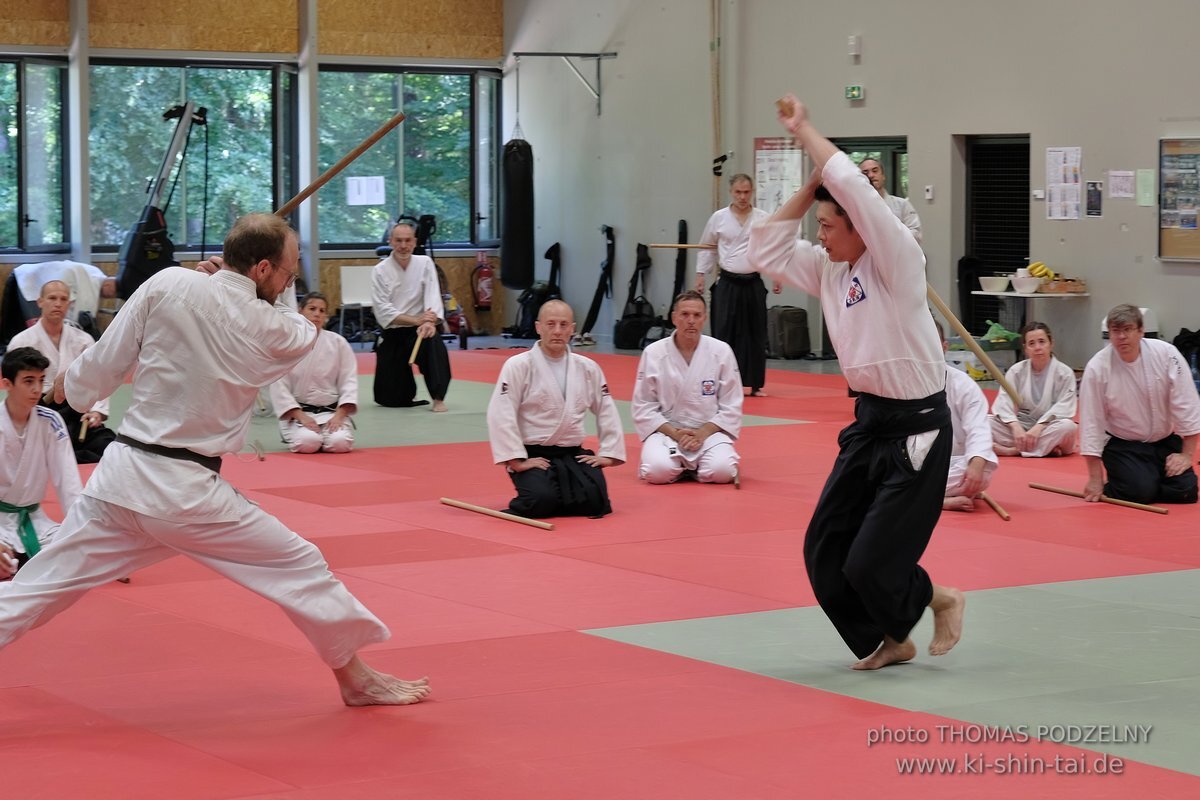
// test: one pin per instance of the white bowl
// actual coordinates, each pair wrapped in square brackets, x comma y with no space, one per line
[993,283]
[1026,285]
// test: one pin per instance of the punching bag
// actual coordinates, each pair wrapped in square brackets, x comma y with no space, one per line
[516,246]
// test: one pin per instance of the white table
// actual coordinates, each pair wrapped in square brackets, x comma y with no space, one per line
[1031,296]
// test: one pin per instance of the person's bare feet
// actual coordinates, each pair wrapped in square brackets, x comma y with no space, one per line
[757,393]
[439,406]
[1001,450]
[890,652]
[362,686]
[958,503]
[948,607]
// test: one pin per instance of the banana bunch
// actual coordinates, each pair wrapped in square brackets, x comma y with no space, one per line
[1040,270]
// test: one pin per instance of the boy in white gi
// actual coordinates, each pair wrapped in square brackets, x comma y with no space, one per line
[535,424]
[61,343]
[199,348]
[687,402]
[1139,418]
[972,461]
[317,398]
[35,449]
[1044,425]
[884,495]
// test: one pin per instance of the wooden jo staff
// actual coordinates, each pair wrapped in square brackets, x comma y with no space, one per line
[412,357]
[1004,515]
[1103,499]
[535,523]
[328,174]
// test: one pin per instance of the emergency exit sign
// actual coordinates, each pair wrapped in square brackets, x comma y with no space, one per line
[854,92]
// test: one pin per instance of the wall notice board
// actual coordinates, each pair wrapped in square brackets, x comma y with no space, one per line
[1178,199]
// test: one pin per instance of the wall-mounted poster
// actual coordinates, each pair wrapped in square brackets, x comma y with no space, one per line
[1178,198]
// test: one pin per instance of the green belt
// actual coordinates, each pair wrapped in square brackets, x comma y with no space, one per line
[24,526]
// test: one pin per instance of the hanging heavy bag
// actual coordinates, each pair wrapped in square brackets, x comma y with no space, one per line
[638,317]
[516,263]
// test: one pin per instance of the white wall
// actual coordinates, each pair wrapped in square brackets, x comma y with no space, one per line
[1109,76]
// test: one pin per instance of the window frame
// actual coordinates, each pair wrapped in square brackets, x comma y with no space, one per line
[476,74]
[22,246]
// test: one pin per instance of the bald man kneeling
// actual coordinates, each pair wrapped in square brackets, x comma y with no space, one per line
[535,424]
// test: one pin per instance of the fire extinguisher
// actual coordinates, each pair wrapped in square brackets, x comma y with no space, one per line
[481,283]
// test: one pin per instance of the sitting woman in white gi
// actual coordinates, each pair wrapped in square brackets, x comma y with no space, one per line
[317,398]
[1044,424]
[687,402]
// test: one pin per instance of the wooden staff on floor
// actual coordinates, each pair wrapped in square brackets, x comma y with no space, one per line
[1112,500]
[1004,515]
[535,523]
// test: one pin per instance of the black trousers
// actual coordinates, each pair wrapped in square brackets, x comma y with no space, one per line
[874,520]
[739,318]
[395,386]
[92,447]
[567,489]
[1137,471]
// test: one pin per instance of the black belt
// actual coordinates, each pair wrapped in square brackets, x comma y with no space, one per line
[310,409]
[181,453]
[740,277]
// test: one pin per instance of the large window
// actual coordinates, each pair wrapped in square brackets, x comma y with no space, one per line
[435,163]
[129,141]
[891,153]
[32,200]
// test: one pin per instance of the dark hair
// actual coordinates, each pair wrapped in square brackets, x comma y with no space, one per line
[1030,327]
[22,359]
[253,238]
[741,176]
[314,296]
[822,195]
[690,294]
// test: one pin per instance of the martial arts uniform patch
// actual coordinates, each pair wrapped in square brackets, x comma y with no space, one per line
[503,387]
[856,293]
[708,388]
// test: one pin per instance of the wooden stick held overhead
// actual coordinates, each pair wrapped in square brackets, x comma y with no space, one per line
[1103,499]
[534,523]
[328,174]
[973,345]
[1000,512]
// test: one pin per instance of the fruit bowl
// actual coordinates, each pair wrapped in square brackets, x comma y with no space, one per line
[993,283]
[1026,285]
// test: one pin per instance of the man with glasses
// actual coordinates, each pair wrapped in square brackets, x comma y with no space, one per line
[199,348]
[1139,417]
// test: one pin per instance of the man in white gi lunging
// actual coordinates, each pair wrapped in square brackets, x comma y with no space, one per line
[535,424]
[687,402]
[884,496]
[199,348]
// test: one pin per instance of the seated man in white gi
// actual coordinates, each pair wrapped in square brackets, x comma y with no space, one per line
[317,398]
[87,284]
[972,460]
[61,343]
[687,402]
[535,424]
[1139,417]
[35,449]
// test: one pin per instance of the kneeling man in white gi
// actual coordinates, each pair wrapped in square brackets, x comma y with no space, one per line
[535,424]
[687,403]
[973,459]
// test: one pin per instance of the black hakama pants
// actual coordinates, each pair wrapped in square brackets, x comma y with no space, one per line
[395,386]
[874,520]
[567,489]
[94,441]
[739,318]
[1137,472]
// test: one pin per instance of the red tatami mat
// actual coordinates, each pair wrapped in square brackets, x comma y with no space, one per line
[181,684]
